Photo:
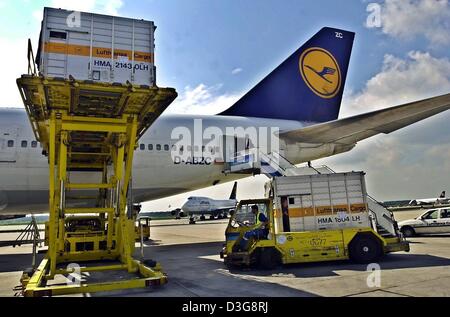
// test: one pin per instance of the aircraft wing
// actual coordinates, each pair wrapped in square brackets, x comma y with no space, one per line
[351,130]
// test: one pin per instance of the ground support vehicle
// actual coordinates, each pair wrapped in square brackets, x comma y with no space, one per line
[314,218]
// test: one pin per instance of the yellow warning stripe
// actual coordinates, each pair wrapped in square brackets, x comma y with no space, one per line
[324,210]
[81,50]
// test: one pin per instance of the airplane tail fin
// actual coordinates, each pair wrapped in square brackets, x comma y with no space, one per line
[443,194]
[308,86]
[234,192]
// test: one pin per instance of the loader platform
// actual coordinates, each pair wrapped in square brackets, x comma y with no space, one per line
[89,132]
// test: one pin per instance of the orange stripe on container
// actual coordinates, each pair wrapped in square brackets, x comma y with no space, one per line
[357,208]
[322,211]
[301,212]
[80,50]
[340,208]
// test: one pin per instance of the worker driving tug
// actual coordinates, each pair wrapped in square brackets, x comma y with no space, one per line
[259,232]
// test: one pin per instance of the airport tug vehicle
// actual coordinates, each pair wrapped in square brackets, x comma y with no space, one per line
[314,218]
[89,131]
[142,228]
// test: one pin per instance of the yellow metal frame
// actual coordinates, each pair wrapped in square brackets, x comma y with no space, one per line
[91,127]
[149,278]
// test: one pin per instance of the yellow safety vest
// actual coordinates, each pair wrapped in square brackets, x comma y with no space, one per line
[258,222]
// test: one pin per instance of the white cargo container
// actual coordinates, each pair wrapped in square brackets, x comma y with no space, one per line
[320,202]
[96,47]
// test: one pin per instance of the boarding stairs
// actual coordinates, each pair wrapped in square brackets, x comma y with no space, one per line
[382,219]
[273,164]
[255,161]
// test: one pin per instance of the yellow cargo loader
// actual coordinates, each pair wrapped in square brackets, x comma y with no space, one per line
[89,132]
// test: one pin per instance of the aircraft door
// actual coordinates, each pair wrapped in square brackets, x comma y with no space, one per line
[235,147]
[8,145]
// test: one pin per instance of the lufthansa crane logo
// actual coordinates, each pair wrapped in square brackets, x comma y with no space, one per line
[321,72]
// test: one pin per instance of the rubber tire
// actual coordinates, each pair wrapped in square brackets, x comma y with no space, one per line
[268,258]
[150,263]
[229,265]
[202,218]
[365,249]
[408,232]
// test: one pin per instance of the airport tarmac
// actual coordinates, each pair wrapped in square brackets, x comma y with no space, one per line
[190,256]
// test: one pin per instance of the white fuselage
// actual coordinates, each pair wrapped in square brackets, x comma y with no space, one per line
[429,201]
[24,170]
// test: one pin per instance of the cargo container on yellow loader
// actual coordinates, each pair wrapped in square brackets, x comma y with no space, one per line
[313,218]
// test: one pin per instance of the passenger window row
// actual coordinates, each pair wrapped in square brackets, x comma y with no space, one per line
[159,147]
[23,144]
[211,149]
[152,147]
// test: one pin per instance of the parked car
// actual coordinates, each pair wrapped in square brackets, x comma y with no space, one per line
[433,221]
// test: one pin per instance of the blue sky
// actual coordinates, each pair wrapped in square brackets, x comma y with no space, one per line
[203,41]
[214,51]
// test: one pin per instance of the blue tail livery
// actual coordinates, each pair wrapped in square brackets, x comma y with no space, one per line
[308,86]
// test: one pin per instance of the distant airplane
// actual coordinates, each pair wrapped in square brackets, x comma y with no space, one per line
[431,201]
[206,206]
[299,103]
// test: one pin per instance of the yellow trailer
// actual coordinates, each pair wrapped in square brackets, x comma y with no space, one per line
[349,231]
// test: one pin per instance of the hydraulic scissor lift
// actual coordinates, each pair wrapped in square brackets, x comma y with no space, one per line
[89,132]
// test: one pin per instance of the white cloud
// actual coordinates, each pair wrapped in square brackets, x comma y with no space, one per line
[202,100]
[38,15]
[407,19]
[111,7]
[236,71]
[18,66]
[418,76]
[12,70]
[414,161]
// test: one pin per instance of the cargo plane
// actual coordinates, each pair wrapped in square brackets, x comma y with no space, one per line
[298,102]
[442,199]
